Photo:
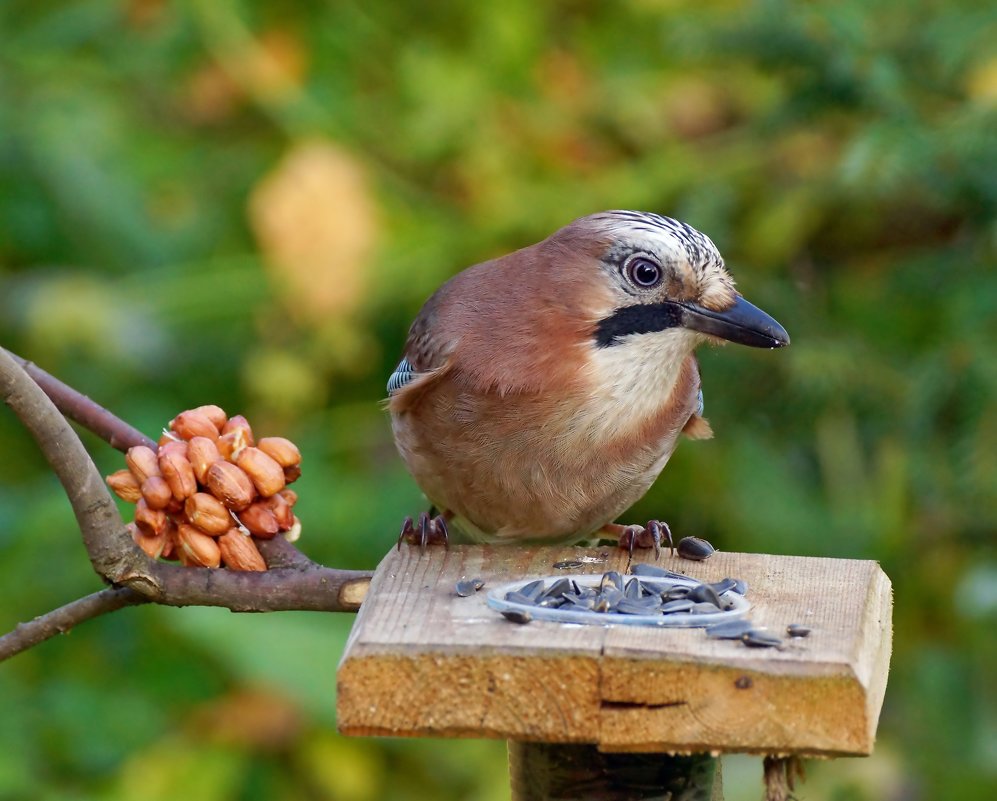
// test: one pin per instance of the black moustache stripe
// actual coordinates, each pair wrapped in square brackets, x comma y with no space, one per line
[643,318]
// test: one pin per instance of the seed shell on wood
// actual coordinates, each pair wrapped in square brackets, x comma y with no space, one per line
[756,638]
[695,548]
[729,630]
[468,587]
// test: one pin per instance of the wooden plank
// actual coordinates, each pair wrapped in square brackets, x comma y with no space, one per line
[422,661]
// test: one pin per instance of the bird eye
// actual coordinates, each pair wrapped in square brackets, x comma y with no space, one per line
[643,272]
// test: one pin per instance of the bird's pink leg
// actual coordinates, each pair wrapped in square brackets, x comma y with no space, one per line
[649,536]
[429,531]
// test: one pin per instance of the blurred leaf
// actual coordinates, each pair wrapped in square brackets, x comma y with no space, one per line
[344,769]
[173,768]
[316,223]
[281,382]
[981,83]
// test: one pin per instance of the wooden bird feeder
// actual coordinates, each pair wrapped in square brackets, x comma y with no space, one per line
[589,710]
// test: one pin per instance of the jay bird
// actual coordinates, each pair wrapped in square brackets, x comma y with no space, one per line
[541,393]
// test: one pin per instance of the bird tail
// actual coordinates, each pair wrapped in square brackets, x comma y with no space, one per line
[697,427]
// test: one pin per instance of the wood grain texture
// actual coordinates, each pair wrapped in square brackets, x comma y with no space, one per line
[422,661]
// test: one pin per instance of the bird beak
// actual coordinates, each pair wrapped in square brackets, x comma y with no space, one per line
[743,323]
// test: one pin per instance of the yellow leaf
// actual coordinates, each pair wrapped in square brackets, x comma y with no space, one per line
[278,65]
[981,83]
[696,107]
[282,382]
[316,223]
[346,770]
[256,719]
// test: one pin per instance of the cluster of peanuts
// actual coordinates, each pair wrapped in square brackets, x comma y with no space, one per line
[209,490]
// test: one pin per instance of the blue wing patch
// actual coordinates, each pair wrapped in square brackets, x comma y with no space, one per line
[699,399]
[403,374]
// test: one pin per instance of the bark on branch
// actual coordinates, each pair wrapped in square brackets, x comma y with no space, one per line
[293,582]
[65,618]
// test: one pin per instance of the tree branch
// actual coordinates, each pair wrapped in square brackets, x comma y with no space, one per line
[96,513]
[294,582]
[78,407]
[65,618]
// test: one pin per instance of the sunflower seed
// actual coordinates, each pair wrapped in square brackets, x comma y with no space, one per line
[756,638]
[612,596]
[704,592]
[533,589]
[579,601]
[729,630]
[627,607]
[611,579]
[695,548]
[468,587]
[653,571]
[654,587]
[558,588]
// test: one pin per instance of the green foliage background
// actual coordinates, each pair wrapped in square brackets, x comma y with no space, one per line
[843,156]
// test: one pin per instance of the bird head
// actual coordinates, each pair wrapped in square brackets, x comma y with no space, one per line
[661,275]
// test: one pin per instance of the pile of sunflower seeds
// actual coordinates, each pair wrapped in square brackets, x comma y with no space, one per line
[649,590]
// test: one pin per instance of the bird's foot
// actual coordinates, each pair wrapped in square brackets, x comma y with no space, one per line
[649,536]
[429,531]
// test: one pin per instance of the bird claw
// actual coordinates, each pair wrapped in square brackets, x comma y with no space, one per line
[429,531]
[649,536]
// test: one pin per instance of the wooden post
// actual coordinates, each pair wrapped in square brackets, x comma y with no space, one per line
[422,661]
[545,771]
